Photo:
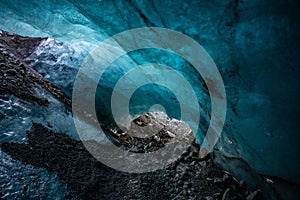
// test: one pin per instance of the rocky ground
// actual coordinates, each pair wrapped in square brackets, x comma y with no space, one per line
[86,178]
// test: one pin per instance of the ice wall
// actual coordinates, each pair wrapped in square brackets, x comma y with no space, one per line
[255,45]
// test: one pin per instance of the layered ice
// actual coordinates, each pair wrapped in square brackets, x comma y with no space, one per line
[253,43]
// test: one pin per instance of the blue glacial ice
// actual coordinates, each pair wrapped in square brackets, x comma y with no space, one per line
[252,42]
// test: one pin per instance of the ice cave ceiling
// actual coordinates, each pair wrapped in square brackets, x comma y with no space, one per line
[255,45]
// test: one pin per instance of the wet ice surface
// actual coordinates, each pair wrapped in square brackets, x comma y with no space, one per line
[17,180]
[20,181]
[55,116]
[58,63]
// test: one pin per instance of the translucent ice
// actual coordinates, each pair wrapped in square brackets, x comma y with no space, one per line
[252,42]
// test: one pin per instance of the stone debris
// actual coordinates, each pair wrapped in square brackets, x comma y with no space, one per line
[86,178]
[156,130]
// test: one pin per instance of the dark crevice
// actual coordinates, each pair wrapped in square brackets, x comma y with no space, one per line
[235,11]
[141,14]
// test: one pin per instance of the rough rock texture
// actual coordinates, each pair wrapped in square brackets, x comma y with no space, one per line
[87,178]
[150,132]
[17,77]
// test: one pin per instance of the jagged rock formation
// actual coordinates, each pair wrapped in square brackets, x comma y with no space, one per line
[17,78]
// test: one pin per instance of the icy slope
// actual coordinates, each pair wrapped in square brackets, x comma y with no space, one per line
[255,44]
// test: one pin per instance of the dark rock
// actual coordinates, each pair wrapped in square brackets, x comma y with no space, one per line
[218,195]
[226,194]
[218,181]
[242,185]
[193,163]
[17,78]
[143,120]
[87,178]
[256,195]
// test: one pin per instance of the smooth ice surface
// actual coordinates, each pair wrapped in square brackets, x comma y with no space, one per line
[255,44]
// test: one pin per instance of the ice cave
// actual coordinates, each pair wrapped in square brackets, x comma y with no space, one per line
[254,45]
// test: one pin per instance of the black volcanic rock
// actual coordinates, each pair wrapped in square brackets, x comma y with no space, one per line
[20,46]
[87,178]
[17,78]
